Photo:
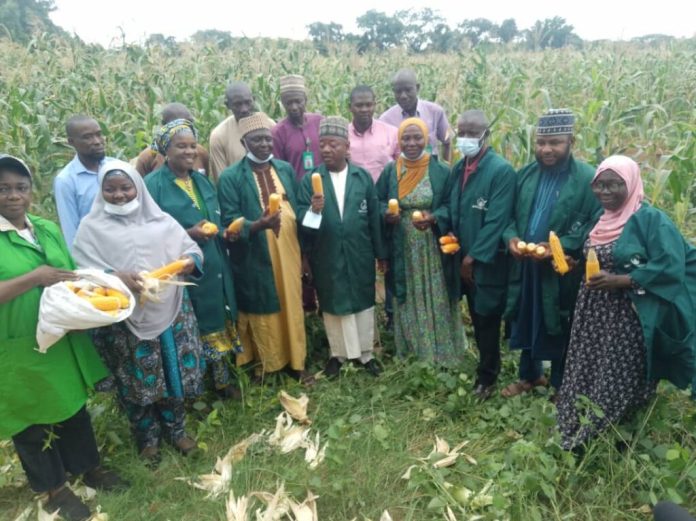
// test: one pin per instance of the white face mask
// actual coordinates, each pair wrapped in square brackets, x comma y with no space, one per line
[122,209]
[470,146]
[256,160]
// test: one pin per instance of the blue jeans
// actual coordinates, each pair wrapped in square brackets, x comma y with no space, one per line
[531,369]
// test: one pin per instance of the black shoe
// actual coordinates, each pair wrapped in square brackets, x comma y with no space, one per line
[372,367]
[102,479]
[484,392]
[70,507]
[333,367]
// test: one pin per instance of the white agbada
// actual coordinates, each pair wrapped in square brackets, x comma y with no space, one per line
[350,336]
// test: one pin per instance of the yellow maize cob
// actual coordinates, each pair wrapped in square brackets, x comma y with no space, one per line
[317,185]
[273,203]
[105,303]
[170,270]
[592,265]
[236,225]
[393,206]
[209,228]
[448,239]
[123,300]
[450,248]
[558,254]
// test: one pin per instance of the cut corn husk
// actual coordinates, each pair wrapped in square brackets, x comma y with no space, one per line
[215,483]
[307,510]
[42,515]
[25,514]
[407,474]
[449,515]
[314,453]
[282,427]
[295,407]
[153,287]
[236,508]
[295,438]
[277,505]
[238,451]
[99,515]
[385,516]
[443,456]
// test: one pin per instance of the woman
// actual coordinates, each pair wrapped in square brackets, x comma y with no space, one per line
[634,320]
[190,198]
[426,322]
[43,395]
[156,354]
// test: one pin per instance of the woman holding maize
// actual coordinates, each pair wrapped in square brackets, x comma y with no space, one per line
[265,256]
[43,395]
[189,197]
[634,319]
[156,354]
[427,323]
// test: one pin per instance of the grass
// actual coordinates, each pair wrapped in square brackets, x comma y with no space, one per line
[377,428]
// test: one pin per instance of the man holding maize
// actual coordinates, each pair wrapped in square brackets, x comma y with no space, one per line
[482,195]
[342,251]
[553,193]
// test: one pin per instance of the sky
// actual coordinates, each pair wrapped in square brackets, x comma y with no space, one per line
[105,22]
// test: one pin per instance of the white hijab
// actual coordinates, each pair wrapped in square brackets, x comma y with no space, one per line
[142,241]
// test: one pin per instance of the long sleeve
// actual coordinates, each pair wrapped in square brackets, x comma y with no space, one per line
[375,216]
[574,240]
[66,204]
[231,205]
[497,218]
[217,158]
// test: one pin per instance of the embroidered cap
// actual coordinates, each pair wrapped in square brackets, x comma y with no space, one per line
[556,122]
[256,121]
[8,160]
[292,83]
[334,126]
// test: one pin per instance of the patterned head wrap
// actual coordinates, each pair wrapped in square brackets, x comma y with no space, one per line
[556,122]
[166,133]
[292,83]
[334,126]
[256,121]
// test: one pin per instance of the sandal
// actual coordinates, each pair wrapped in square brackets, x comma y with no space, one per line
[523,386]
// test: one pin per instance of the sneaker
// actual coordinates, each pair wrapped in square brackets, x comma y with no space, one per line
[185,445]
[69,506]
[102,479]
[373,367]
[333,367]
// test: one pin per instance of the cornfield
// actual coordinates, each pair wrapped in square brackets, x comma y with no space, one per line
[631,100]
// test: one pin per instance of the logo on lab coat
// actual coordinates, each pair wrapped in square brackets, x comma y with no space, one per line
[363,206]
[481,204]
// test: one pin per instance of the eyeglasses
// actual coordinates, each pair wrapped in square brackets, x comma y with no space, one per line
[610,186]
[5,191]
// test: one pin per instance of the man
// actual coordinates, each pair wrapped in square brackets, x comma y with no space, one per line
[405,87]
[76,185]
[342,251]
[265,257]
[225,140]
[553,194]
[296,138]
[373,143]
[480,205]
[152,159]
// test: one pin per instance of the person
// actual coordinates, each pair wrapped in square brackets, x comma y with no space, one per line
[43,395]
[427,323]
[373,143]
[668,511]
[408,105]
[634,320]
[265,257]
[296,137]
[343,250]
[151,158]
[296,140]
[174,187]
[482,193]
[156,354]
[75,186]
[552,194]
[225,140]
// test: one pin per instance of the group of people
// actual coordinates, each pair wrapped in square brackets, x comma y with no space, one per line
[354,199]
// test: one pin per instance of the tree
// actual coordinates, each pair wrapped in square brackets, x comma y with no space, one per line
[444,39]
[551,32]
[418,27]
[324,35]
[478,30]
[507,31]
[21,19]
[214,37]
[159,40]
[380,31]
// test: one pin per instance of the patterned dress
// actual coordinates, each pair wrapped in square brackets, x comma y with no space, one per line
[154,376]
[606,361]
[427,325]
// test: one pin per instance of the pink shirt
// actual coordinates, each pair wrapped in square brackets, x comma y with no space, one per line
[433,115]
[375,148]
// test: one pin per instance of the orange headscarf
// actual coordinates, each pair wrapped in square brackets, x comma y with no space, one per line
[410,173]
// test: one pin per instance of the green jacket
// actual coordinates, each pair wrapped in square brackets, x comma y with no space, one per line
[478,215]
[655,255]
[215,289]
[251,263]
[342,252]
[39,388]
[387,188]
[574,215]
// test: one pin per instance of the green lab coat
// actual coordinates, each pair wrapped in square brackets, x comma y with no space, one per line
[342,252]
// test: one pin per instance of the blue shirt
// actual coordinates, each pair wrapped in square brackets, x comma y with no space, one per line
[74,189]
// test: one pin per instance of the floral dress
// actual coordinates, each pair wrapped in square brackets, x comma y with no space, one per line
[427,325]
[605,364]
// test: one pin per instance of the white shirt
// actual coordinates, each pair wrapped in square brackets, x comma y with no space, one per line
[27,233]
[339,185]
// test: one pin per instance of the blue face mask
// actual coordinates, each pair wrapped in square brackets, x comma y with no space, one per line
[469,146]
